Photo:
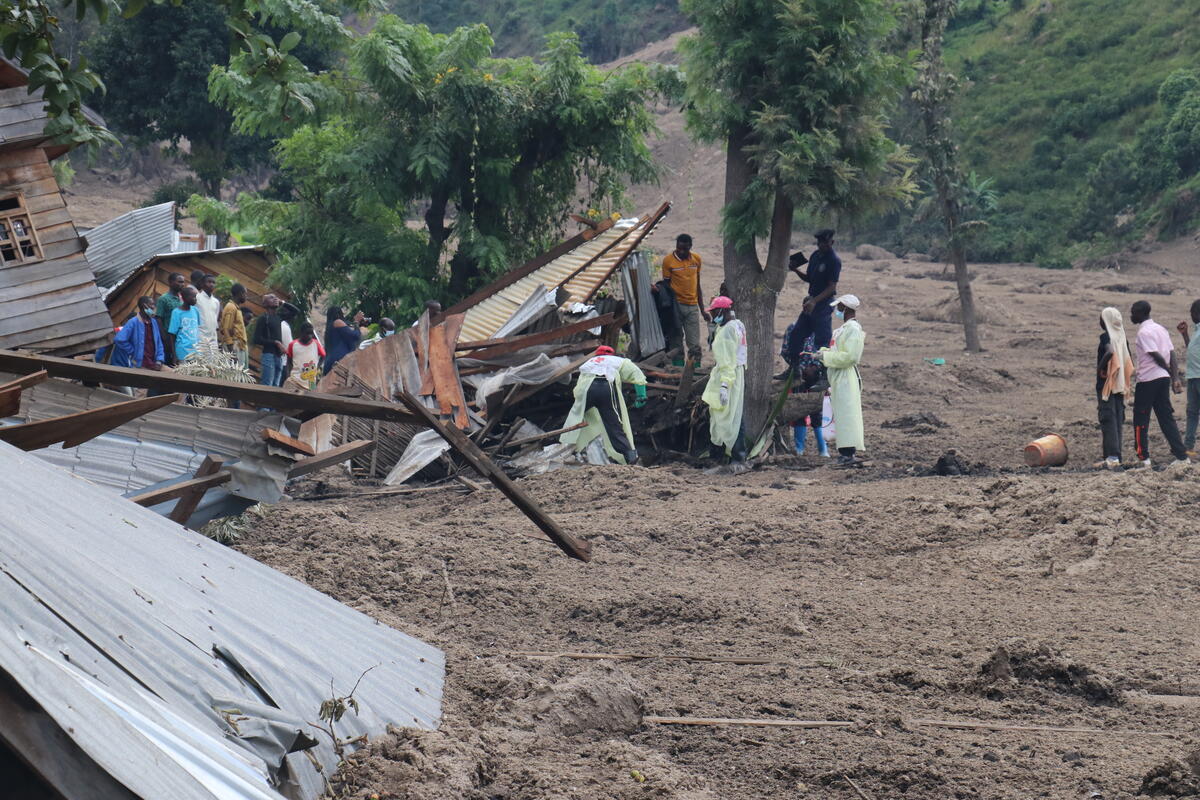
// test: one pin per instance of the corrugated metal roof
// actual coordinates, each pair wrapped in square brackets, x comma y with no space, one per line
[121,245]
[180,667]
[580,271]
[162,445]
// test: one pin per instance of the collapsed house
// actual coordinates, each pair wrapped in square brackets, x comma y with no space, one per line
[145,661]
[498,364]
[49,302]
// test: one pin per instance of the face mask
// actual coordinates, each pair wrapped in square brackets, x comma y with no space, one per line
[719,319]
[839,313]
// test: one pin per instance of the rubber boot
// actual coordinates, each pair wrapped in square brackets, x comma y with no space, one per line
[800,434]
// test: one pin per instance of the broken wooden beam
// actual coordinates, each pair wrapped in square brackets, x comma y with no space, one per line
[176,490]
[252,393]
[272,436]
[491,348]
[10,393]
[756,723]
[572,546]
[190,500]
[72,430]
[330,457]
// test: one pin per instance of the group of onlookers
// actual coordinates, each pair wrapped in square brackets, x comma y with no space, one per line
[1151,373]
[166,331]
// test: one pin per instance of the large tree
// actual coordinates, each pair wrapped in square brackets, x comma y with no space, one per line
[264,34]
[933,91]
[157,66]
[490,155]
[796,91]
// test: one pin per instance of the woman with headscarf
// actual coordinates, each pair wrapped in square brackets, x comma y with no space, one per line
[341,337]
[1114,379]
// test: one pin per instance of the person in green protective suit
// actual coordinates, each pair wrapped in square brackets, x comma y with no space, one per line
[600,402]
[845,384]
[725,391]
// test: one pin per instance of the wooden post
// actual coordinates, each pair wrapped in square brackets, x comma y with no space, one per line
[186,506]
[572,546]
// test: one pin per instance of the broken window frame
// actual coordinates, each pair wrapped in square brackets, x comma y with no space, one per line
[19,243]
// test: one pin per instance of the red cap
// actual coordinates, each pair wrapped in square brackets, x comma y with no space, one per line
[720,301]
[605,350]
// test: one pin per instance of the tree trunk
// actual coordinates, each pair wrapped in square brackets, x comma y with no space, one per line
[754,288]
[966,298]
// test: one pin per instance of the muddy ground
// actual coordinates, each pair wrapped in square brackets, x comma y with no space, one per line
[883,596]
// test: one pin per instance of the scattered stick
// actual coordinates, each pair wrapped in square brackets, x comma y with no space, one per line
[385,493]
[755,742]
[640,656]
[855,787]
[467,482]
[992,726]
[756,723]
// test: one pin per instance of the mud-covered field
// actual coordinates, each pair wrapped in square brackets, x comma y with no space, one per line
[887,597]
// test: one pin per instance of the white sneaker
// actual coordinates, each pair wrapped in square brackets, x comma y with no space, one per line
[1112,462]
[1179,461]
[1145,464]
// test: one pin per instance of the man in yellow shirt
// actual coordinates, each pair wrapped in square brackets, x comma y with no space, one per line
[681,269]
[231,327]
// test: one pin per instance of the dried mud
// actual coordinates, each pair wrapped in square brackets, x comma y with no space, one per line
[883,596]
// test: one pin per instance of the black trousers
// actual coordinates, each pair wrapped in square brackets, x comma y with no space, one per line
[600,397]
[1155,396]
[737,452]
[818,324]
[1111,413]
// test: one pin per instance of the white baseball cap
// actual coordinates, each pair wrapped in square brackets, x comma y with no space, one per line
[848,300]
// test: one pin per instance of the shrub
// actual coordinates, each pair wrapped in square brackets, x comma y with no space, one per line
[1178,85]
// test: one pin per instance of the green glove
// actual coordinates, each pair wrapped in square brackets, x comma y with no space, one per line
[640,390]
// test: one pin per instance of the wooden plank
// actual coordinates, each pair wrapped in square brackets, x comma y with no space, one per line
[572,546]
[190,500]
[75,429]
[454,324]
[512,276]
[253,393]
[500,347]
[441,368]
[45,219]
[330,457]
[421,343]
[10,393]
[754,723]
[275,437]
[41,187]
[177,490]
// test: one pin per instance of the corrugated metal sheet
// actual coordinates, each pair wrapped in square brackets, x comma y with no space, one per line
[581,272]
[180,667]
[163,445]
[121,245]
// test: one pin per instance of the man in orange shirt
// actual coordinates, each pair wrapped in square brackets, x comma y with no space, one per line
[681,269]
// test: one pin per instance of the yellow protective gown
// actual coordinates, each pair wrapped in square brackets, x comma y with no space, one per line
[628,371]
[729,350]
[845,385]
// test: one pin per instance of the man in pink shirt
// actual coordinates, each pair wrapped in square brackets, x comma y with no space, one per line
[1156,378]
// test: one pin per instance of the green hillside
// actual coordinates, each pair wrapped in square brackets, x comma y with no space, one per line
[1050,89]
[607,29]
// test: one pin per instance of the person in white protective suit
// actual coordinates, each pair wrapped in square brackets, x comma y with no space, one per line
[726,389]
[600,402]
[845,383]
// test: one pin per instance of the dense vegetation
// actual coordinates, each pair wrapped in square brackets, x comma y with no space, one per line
[606,28]
[1061,106]
[490,154]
